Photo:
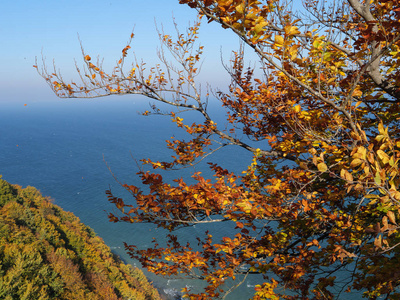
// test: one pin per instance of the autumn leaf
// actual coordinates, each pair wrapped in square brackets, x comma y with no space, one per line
[279,40]
[391,216]
[292,30]
[322,167]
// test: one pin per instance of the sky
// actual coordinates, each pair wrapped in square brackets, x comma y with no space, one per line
[29,29]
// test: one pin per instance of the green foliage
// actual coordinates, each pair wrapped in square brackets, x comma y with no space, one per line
[7,192]
[46,253]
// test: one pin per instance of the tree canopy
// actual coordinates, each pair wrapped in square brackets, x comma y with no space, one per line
[47,253]
[316,211]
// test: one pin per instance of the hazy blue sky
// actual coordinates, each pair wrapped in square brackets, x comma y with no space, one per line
[28,28]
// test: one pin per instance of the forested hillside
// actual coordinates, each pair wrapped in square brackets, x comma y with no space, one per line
[47,253]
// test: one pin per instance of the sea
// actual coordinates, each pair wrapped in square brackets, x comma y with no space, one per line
[73,150]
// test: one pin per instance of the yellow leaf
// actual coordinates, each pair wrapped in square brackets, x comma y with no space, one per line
[358,103]
[356,162]
[383,156]
[279,41]
[363,152]
[378,179]
[357,93]
[346,175]
[322,167]
[312,151]
[293,53]
[291,30]
[381,128]
[240,8]
[317,43]
[258,28]
[359,187]
[297,108]
[331,80]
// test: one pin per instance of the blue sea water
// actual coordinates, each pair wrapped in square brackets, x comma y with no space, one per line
[65,149]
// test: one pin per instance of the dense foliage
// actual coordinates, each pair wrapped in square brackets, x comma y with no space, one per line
[316,212]
[47,253]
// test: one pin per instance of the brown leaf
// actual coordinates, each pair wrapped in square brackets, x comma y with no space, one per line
[391,216]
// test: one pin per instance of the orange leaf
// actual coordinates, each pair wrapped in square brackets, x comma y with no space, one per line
[239,225]
[391,217]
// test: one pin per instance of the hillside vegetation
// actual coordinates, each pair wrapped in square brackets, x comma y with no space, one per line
[47,253]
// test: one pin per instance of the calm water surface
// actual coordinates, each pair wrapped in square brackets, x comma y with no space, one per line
[63,148]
